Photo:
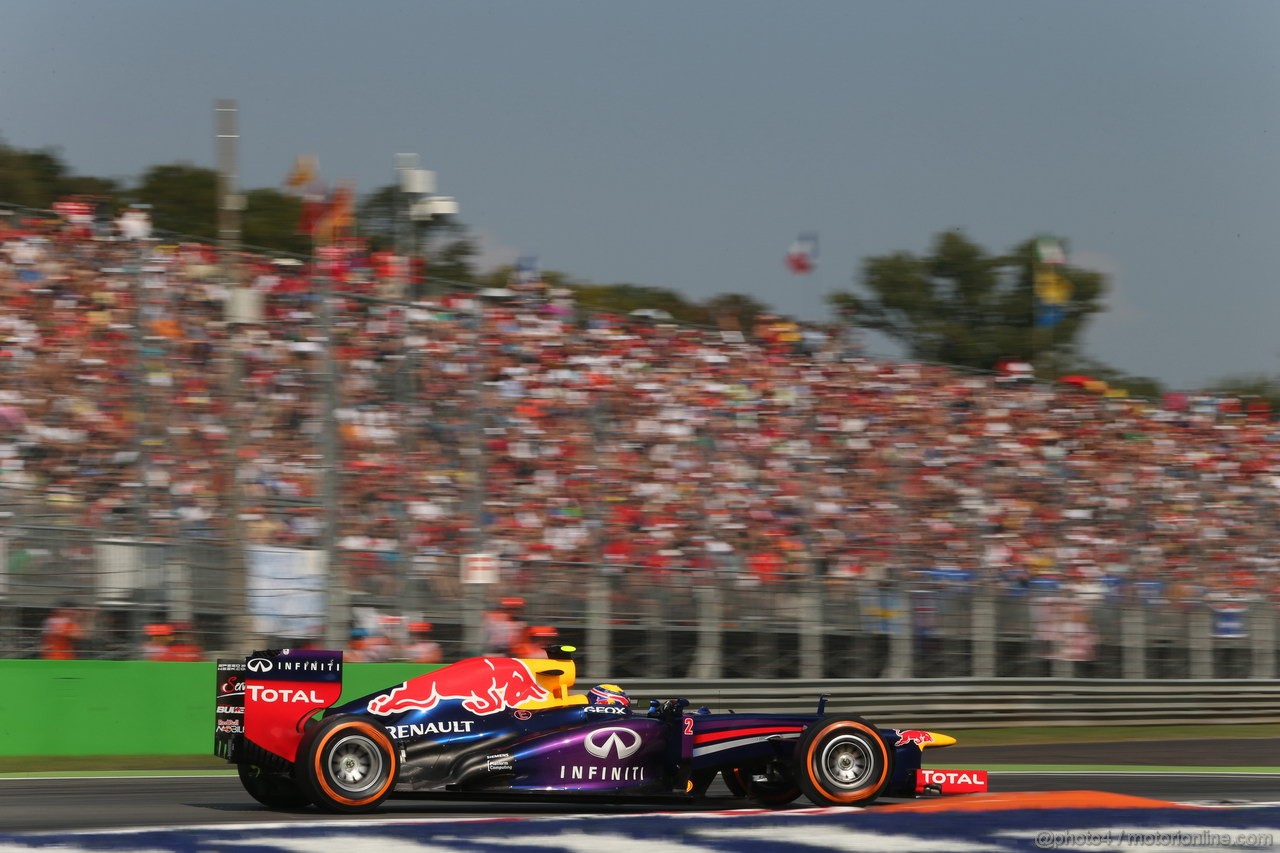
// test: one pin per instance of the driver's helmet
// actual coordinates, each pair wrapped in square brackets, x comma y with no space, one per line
[609,694]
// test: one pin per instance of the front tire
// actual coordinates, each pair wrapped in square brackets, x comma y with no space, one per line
[347,765]
[842,761]
[273,790]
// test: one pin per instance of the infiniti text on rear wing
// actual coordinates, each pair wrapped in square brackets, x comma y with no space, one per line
[266,700]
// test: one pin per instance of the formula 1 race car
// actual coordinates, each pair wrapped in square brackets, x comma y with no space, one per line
[494,726]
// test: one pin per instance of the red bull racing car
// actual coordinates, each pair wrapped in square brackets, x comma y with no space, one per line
[494,726]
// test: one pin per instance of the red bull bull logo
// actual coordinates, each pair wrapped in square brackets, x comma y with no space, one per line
[485,686]
[917,736]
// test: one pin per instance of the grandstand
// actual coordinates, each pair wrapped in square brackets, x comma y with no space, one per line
[675,499]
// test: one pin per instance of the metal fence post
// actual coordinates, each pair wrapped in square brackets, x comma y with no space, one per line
[473,604]
[984,634]
[1133,643]
[658,642]
[901,639]
[1262,630]
[707,660]
[1201,639]
[598,630]
[1060,666]
[811,628]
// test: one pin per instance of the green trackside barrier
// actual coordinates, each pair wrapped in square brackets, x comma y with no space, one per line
[132,707]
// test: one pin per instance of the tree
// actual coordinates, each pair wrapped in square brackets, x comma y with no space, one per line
[107,188]
[183,198]
[734,311]
[30,178]
[625,298]
[453,262]
[960,305]
[380,217]
[502,275]
[445,243]
[271,220]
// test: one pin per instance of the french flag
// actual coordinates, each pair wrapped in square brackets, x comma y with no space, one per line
[803,254]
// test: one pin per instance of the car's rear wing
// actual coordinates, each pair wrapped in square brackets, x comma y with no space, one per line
[229,713]
[265,701]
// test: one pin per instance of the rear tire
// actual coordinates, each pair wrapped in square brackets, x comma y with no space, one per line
[347,765]
[842,761]
[273,790]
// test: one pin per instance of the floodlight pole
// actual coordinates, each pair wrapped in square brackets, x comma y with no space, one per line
[230,204]
[339,591]
[423,206]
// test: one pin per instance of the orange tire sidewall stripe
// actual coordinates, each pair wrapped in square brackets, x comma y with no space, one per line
[318,762]
[860,792]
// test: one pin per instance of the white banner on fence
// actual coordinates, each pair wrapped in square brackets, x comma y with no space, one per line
[120,569]
[479,568]
[286,591]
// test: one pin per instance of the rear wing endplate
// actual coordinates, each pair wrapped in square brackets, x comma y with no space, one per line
[267,699]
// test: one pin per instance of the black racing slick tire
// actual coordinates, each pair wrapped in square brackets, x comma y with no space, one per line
[766,794]
[273,790]
[347,765]
[842,761]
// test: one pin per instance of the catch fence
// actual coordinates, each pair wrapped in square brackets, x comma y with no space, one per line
[627,621]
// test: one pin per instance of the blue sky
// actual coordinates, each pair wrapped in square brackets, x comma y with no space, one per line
[685,143]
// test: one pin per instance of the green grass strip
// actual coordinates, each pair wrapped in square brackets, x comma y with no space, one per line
[113,774]
[25,765]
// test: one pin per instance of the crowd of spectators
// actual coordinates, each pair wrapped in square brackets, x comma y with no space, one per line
[527,427]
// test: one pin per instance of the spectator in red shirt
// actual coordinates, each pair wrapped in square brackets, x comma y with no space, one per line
[184,646]
[61,634]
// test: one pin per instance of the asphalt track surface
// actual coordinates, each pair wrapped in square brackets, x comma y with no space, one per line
[88,803]
[176,799]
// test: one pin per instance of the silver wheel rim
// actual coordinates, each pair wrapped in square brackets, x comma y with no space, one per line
[847,761]
[355,763]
